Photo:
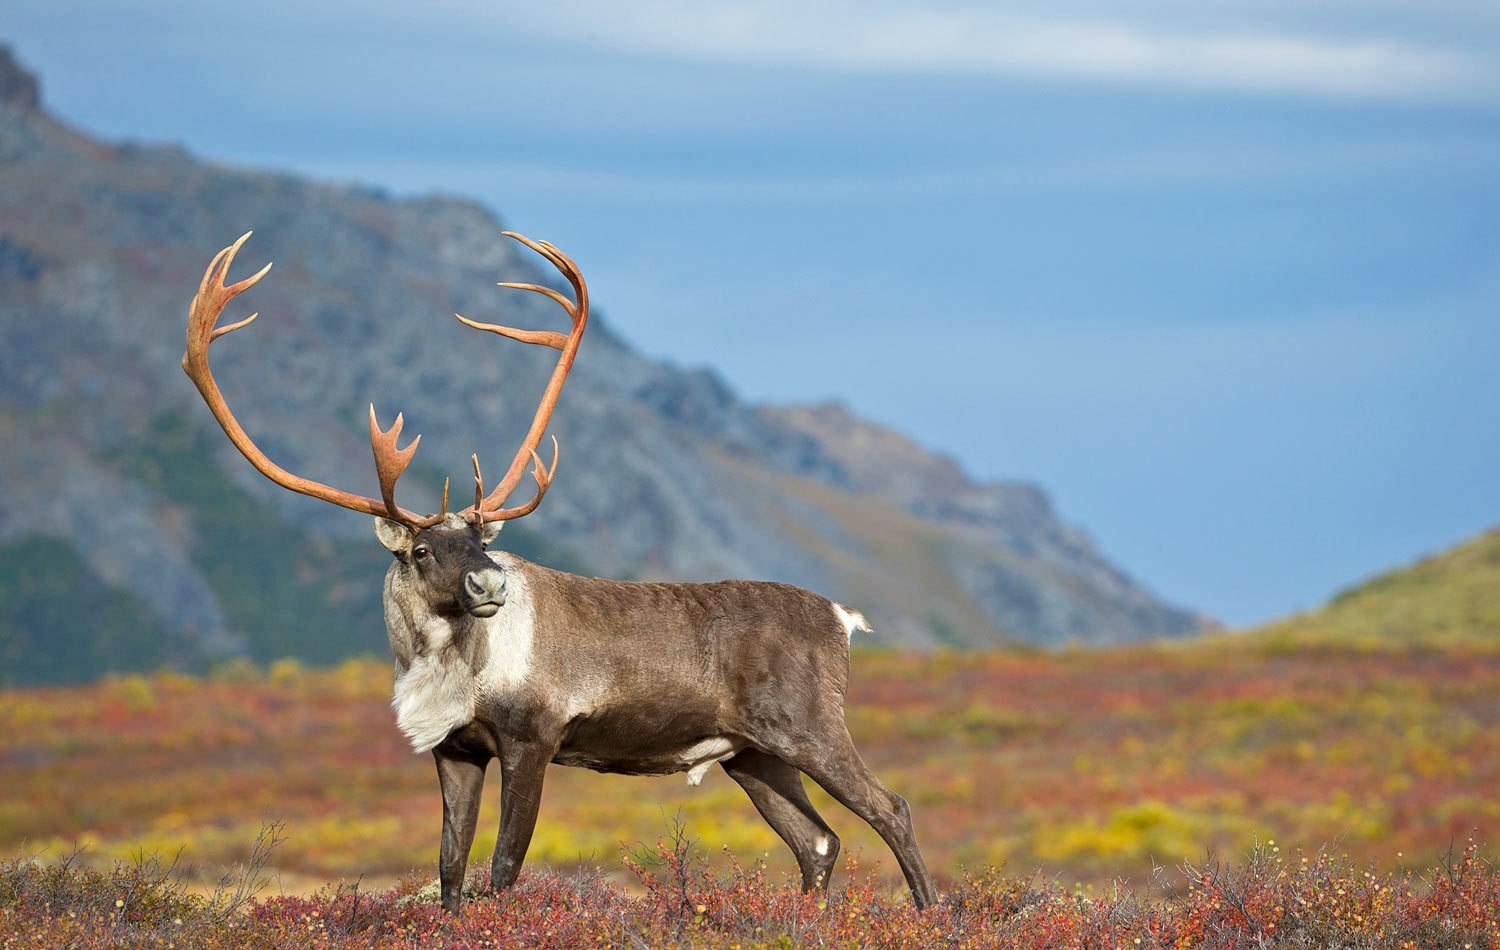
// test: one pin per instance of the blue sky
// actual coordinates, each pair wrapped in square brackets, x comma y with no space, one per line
[1224,278]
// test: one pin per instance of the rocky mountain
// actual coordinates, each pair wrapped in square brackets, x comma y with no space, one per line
[132,534]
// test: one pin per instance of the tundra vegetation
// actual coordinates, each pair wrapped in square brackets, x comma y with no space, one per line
[1215,793]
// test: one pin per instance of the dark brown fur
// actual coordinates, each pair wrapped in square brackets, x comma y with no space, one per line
[627,677]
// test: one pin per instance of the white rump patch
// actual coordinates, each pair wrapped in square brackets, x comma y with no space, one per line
[700,757]
[851,620]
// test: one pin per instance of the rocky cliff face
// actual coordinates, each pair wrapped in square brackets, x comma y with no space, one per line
[665,472]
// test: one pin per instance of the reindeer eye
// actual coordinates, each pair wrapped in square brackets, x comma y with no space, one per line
[421,552]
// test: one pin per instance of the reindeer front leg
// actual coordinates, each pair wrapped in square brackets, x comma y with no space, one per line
[462,781]
[523,767]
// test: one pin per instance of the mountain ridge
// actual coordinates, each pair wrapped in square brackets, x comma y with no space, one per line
[1448,598]
[666,473]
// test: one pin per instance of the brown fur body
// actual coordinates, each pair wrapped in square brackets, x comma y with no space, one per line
[634,678]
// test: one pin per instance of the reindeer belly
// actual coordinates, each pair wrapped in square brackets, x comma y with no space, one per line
[629,747]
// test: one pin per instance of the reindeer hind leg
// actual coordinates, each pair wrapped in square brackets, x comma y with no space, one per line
[775,788]
[836,766]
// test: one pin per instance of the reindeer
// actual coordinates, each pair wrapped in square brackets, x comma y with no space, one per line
[499,658]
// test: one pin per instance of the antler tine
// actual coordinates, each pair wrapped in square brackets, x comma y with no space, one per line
[543,476]
[489,507]
[210,301]
[548,250]
[203,316]
[545,292]
[391,462]
[478,483]
[543,337]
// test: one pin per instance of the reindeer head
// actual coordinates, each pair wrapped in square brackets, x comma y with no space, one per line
[445,565]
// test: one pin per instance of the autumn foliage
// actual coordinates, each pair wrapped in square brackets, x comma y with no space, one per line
[1086,798]
[1268,901]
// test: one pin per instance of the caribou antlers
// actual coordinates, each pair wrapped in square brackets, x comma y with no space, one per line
[391,461]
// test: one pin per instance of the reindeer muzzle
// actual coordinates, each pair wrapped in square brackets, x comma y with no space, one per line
[484,592]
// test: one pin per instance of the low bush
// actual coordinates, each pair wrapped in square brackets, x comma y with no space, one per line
[682,900]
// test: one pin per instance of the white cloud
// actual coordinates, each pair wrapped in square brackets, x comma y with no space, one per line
[981,41]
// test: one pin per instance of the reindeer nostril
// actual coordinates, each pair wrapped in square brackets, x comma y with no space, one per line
[487,586]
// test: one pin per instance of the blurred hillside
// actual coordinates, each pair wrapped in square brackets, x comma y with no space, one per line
[1449,597]
[132,536]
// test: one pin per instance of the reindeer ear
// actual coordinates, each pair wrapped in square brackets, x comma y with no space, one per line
[490,530]
[394,536]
